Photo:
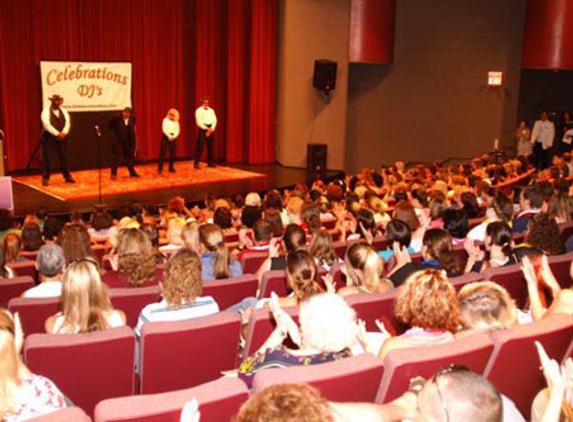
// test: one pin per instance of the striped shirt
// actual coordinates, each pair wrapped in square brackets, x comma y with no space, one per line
[202,306]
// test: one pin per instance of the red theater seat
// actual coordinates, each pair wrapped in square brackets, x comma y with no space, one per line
[132,300]
[34,312]
[14,287]
[71,414]
[401,365]
[462,280]
[86,367]
[219,401]
[273,281]
[354,379]
[232,290]
[25,268]
[370,307]
[184,354]
[561,267]
[512,279]
[514,364]
[261,325]
[252,260]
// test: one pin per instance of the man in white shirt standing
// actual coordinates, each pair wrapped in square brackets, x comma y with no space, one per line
[56,127]
[207,123]
[171,130]
[542,138]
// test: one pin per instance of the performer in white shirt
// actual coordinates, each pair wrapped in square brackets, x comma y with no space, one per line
[207,123]
[542,138]
[56,125]
[171,130]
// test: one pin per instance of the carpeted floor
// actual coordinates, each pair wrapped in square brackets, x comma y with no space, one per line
[86,185]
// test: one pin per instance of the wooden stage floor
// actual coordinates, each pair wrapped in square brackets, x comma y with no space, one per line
[28,200]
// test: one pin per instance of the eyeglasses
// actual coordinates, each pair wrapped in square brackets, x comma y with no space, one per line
[450,369]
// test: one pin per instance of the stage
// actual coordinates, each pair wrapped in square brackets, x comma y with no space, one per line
[152,189]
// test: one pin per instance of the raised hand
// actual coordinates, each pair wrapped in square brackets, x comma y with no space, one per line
[529,271]
[285,324]
[329,283]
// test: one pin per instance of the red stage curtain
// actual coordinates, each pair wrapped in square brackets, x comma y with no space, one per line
[180,50]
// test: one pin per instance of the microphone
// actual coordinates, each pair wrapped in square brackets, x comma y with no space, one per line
[96,128]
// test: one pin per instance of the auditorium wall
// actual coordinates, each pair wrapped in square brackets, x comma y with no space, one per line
[309,30]
[433,102]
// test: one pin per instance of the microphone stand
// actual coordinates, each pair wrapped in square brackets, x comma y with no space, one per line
[97,135]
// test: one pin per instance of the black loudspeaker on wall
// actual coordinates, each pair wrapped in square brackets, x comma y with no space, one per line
[316,157]
[324,75]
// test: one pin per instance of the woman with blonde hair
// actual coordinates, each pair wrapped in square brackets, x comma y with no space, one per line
[86,306]
[181,290]
[364,271]
[171,130]
[427,304]
[485,306]
[23,395]
[12,246]
[561,207]
[215,257]
[174,235]
[136,261]
[190,236]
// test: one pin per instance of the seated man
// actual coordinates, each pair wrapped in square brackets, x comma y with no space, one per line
[51,265]
[531,202]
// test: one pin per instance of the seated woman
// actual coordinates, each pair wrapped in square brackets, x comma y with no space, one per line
[85,302]
[215,257]
[174,235]
[23,395]
[396,232]
[438,204]
[294,239]
[501,209]
[301,278]
[405,212]
[499,245]
[32,239]
[484,307]
[181,291]
[437,252]
[561,207]
[428,305]
[75,241]
[364,271]
[542,236]
[5,271]
[322,249]
[135,260]
[101,225]
[12,246]
[328,330]
[456,224]
[224,219]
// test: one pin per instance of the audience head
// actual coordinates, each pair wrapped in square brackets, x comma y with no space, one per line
[500,209]
[52,228]
[85,302]
[561,207]
[101,220]
[486,306]
[398,231]
[310,216]
[301,274]
[531,198]
[213,241]
[136,257]
[543,234]
[470,205]
[365,218]
[322,248]
[428,300]
[364,266]
[253,199]
[456,223]
[273,217]
[405,212]
[262,231]
[75,241]
[438,204]
[499,234]
[437,246]
[182,282]
[190,235]
[32,237]
[175,231]
[223,218]
[286,403]
[50,261]
[327,323]
[12,246]
[294,238]
[249,215]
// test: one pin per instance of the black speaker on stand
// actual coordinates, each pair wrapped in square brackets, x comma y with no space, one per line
[324,77]
[316,155]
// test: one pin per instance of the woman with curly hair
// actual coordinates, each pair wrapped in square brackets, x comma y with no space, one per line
[75,241]
[542,236]
[181,291]
[136,261]
[428,305]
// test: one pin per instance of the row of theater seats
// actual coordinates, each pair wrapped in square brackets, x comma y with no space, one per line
[184,354]
[508,358]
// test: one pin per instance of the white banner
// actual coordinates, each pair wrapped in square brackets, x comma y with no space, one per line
[87,86]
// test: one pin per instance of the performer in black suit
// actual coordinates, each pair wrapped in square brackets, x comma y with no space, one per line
[123,128]
[56,125]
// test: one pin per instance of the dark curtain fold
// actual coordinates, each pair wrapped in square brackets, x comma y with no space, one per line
[181,50]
